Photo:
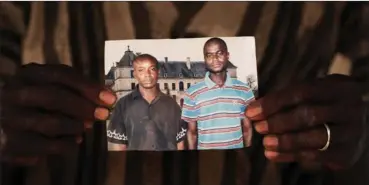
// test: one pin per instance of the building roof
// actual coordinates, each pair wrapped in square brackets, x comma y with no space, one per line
[175,69]
[110,74]
[179,69]
[127,58]
[168,69]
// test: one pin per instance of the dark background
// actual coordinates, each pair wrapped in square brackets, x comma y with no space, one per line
[295,42]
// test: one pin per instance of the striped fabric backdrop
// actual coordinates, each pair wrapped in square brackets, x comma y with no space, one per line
[294,41]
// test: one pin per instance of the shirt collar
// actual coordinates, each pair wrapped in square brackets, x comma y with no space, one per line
[211,84]
[136,93]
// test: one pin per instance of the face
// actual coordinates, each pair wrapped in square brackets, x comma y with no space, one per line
[146,73]
[216,58]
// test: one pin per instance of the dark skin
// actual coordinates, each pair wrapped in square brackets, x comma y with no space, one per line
[38,122]
[292,122]
[321,100]
[146,73]
[216,61]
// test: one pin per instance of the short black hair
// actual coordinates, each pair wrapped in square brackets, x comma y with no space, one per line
[146,57]
[216,40]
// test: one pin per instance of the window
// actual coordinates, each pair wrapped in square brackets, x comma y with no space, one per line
[188,85]
[165,75]
[180,75]
[132,74]
[166,86]
[133,86]
[173,86]
[181,86]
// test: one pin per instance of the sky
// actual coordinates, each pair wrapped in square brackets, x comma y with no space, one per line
[241,50]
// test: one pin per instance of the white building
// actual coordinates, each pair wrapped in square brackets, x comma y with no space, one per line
[174,78]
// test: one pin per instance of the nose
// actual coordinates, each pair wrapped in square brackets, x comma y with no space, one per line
[214,59]
[147,73]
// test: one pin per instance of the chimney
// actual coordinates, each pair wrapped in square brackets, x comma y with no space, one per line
[188,62]
[166,59]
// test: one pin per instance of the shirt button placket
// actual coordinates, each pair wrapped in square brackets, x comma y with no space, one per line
[149,111]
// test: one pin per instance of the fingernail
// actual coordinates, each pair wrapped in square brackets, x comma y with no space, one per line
[107,97]
[253,110]
[270,141]
[270,154]
[101,113]
[261,127]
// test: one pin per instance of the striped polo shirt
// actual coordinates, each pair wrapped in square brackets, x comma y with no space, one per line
[218,112]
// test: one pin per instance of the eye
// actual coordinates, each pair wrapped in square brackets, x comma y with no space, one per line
[220,53]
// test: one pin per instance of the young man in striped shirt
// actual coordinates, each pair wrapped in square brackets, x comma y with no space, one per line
[214,108]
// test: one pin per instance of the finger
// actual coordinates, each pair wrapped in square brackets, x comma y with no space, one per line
[319,92]
[308,116]
[19,160]
[279,157]
[338,78]
[312,139]
[51,125]
[309,155]
[310,165]
[69,77]
[331,159]
[28,144]
[56,99]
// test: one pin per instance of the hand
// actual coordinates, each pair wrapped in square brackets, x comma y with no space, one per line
[293,119]
[45,110]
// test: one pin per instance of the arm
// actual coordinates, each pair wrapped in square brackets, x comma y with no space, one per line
[192,135]
[116,132]
[246,123]
[181,135]
[246,132]
[189,117]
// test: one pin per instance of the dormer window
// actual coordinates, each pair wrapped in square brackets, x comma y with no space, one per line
[180,75]
[165,75]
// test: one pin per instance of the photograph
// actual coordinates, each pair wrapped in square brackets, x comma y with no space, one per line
[180,94]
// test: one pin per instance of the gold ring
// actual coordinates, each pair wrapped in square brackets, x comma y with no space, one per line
[325,147]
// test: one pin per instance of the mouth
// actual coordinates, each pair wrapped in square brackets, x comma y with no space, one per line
[217,65]
[147,81]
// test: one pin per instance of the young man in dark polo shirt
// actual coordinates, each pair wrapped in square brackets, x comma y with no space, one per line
[146,119]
